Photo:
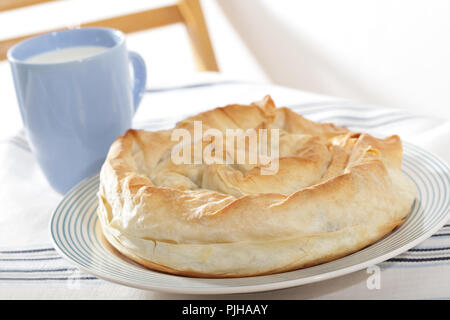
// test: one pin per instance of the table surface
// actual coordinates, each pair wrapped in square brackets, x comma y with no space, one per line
[30,268]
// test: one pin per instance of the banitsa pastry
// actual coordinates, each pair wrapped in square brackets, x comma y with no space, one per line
[331,193]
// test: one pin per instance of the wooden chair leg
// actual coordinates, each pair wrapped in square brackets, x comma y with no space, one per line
[198,35]
[188,12]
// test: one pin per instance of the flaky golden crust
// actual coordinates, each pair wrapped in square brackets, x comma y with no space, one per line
[334,193]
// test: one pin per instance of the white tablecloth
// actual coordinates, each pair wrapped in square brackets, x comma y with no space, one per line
[30,267]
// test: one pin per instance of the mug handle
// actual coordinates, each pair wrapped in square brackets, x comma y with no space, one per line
[140,77]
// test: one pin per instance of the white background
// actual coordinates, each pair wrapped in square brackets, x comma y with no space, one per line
[395,53]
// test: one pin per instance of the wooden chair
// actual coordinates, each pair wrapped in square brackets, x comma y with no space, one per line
[188,12]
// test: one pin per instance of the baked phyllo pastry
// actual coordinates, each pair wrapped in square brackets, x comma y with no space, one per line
[247,190]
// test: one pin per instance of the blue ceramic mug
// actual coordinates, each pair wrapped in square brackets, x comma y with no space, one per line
[72,111]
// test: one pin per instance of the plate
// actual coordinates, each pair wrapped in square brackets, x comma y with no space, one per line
[76,235]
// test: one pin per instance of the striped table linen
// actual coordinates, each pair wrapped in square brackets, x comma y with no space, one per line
[31,268]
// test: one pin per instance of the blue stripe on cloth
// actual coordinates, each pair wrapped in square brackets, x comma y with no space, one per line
[429,249]
[49,278]
[340,106]
[399,265]
[419,259]
[441,235]
[364,120]
[26,251]
[30,259]
[37,270]
[20,142]
[196,85]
